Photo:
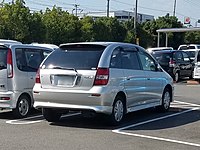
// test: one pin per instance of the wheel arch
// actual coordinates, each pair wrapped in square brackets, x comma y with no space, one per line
[168,86]
[123,95]
[29,97]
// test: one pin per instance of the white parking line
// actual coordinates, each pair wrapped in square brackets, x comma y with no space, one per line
[119,131]
[24,122]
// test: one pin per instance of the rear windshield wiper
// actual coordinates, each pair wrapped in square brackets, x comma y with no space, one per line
[64,68]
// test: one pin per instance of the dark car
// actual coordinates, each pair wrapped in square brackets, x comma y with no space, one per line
[176,62]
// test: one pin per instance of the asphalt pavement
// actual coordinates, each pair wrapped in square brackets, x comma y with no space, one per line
[178,129]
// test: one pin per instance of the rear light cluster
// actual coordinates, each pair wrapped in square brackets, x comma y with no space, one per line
[9,64]
[171,63]
[37,78]
[102,76]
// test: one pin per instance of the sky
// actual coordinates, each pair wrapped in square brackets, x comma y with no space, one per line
[184,8]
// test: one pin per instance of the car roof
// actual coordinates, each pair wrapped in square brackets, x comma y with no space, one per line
[165,51]
[160,48]
[52,46]
[97,43]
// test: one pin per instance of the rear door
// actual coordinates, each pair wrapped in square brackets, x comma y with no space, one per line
[33,57]
[3,68]
[74,67]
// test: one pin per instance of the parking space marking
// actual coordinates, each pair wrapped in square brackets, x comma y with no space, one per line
[119,131]
[24,122]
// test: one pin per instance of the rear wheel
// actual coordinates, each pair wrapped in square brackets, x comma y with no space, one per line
[51,115]
[118,111]
[23,107]
[166,100]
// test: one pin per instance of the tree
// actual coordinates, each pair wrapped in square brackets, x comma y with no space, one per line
[87,29]
[61,27]
[109,29]
[167,21]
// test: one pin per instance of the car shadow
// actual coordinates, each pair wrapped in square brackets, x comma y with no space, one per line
[8,114]
[101,122]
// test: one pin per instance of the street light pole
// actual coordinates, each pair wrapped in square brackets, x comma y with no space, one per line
[135,19]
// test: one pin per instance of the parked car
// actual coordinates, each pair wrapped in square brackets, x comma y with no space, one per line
[150,50]
[175,62]
[196,72]
[18,66]
[189,46]
[191,53]
[101,77]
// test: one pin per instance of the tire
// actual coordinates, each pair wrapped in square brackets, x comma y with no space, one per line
[23,107]
[51,115]
[176,77]
[166,100]
[118,111]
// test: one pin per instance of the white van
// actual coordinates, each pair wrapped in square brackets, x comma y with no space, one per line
[18,65]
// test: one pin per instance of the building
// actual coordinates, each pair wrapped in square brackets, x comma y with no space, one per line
[120,15]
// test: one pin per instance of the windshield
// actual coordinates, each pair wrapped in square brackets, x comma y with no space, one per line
[164,57]
[84,58]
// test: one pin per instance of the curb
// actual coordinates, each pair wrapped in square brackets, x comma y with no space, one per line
[192,82]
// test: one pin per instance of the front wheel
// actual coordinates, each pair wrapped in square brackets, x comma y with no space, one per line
[51,115]
[23,107]
[118,111]
[166,100]
[176,77]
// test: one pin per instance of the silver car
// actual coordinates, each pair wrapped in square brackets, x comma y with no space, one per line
[18,66]
[102,77]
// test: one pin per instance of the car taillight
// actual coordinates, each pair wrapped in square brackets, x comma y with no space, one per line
[9,64]
[171,63]
[37,78]
[102,76]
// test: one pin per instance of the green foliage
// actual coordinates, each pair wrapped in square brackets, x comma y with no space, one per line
[192,37]
[61,27]
[57,26]
[167,21]
[108,29]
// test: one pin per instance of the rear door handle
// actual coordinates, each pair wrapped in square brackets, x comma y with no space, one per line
[148,78]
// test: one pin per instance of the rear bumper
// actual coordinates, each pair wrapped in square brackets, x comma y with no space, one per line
[96,99]
[97,109]
[11,102]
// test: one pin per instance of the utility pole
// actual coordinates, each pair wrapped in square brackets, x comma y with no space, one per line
[108,6]
[174,12]
[76,9]
[135,19]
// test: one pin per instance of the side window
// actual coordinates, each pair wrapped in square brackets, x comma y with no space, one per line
[115,61]
[46,53]
[179,56]
[147,61]
[20,60]
[33,58]
[186,57]
[130,60]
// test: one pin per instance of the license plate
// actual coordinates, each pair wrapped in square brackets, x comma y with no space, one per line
[63,80]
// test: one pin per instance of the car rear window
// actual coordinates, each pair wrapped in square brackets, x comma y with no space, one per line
[84,57]
[163,57]
[3,58]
